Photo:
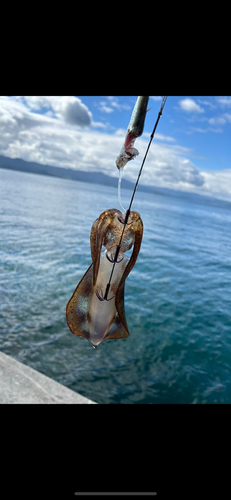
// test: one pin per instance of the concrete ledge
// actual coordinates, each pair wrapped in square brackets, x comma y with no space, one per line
[20,384]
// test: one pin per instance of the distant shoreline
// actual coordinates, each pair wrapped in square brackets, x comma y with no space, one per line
[103,179]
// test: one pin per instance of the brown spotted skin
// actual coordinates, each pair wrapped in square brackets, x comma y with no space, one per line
[106,231]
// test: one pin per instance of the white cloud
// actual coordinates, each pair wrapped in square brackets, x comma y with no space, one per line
[227,116]
[217,130]
[104,108]
[114,101]
[160,137]
[217,183]
[190,105]
[225,101]
[156,97]
[217,120]
[111,104]
[166,166]
[207,103]
[37,102]
[69,108]
[76,113]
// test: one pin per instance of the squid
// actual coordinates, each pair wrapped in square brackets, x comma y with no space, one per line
[96,309]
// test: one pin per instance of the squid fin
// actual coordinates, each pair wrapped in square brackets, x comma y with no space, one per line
[76,310]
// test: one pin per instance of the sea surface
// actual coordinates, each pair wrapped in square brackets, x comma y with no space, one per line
[177,297]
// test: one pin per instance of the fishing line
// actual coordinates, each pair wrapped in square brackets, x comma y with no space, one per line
[119,188]
[133,194]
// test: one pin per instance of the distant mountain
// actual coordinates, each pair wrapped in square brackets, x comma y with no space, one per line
[66,173]
[100,178]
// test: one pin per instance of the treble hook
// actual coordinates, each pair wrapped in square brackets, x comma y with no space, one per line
[113,260]
[106,294]
[123,222]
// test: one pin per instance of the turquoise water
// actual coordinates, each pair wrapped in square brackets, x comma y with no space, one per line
[177,297]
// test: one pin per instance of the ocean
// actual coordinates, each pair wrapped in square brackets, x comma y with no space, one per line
[177,297]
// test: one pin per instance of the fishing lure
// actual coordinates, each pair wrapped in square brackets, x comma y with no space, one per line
[135,129]
[93,312]
[96,309]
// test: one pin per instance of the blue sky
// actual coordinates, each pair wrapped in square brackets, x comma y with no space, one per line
[191,150]
[203,126]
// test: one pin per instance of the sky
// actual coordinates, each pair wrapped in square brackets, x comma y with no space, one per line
[190,152]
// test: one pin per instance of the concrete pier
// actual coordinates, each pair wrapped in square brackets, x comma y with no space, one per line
[20,384]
